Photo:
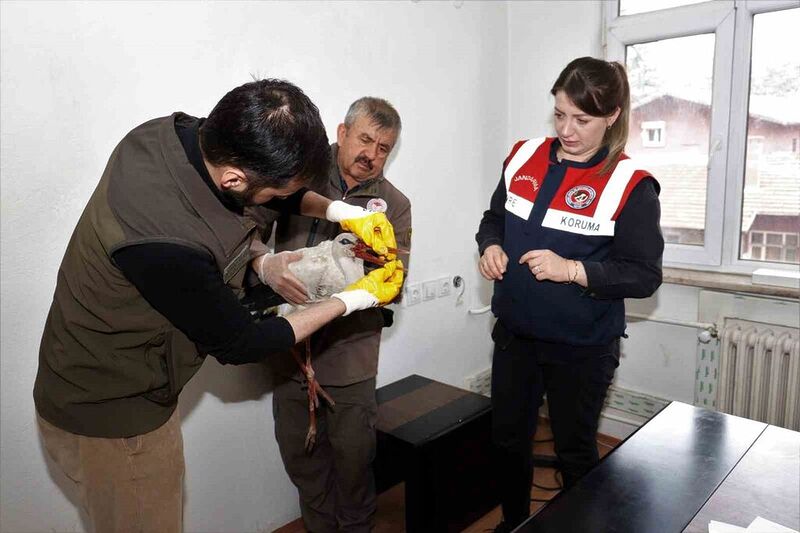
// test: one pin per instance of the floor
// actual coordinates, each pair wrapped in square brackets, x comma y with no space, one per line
[390,517]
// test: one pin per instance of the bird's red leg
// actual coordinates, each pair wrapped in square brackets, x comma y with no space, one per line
[315,390]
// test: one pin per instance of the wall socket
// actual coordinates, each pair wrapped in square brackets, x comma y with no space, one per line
[413,294]
[424,291]
[429,290]
[443,287]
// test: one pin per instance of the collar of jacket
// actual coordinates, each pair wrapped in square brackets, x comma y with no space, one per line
[366,188]
[228,227]
[593,161]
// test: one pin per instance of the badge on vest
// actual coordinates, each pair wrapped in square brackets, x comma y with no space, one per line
[377,205]
[580,197]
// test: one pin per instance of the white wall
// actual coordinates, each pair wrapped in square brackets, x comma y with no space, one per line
[543,38]
[77,76]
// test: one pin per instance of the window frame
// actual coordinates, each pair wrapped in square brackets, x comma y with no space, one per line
[731,21]
[746,10]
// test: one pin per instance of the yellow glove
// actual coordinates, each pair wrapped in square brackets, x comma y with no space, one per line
[375,230]
[383,283]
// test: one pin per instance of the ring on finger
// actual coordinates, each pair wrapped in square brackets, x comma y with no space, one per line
[537,269]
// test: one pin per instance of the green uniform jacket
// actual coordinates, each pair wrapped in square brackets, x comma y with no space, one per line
[346,350]
[109,364]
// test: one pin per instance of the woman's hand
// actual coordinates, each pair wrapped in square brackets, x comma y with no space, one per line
[493,262]
[548,265]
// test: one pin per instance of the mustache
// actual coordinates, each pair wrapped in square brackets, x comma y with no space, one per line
[364,159]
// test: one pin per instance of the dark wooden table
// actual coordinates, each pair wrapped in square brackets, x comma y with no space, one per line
[436,438]
[766,483]
[683,468]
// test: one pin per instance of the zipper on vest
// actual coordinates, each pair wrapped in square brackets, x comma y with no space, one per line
[312,234]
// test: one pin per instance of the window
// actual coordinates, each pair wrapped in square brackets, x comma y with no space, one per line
[755,147]
[653,134]
[659,88]
[770,246]
[725,77]
[771,195]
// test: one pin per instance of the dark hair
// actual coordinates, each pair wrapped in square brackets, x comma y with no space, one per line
[270,130]
[598,88]
[380,111]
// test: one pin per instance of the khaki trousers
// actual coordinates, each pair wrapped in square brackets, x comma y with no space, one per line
[126,485]
[335,481]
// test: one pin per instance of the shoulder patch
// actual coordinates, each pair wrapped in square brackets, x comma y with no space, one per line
[377,205]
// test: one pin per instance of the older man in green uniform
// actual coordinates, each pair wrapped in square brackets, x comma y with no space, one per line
[335,481]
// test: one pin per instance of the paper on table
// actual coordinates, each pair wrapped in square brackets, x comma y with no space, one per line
[722,527]
[762,525]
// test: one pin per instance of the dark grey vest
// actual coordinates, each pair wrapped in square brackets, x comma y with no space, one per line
[109,364]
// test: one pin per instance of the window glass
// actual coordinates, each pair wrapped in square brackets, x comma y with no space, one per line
[670,127]
[631,7]
[773,253]
[771,198]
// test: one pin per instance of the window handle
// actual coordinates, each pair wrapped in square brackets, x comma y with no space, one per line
[716,146]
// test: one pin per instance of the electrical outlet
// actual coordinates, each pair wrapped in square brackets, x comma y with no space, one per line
[413,294]
[443,287]
[429,290]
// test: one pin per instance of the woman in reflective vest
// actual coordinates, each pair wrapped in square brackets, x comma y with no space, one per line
[572,229]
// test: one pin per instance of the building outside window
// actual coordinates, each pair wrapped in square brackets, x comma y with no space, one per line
[724,78]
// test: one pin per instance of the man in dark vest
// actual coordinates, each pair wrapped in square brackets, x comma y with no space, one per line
[151,282]
[334,480]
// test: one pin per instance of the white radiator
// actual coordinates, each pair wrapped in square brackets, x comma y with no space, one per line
[759,373]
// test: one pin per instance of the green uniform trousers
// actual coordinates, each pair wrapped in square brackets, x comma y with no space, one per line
[334,481]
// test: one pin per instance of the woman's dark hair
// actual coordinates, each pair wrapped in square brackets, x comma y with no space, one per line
[271,130]
[598,88]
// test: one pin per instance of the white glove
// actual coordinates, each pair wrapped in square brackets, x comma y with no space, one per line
[339,210]
[356,300]
[273,270]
